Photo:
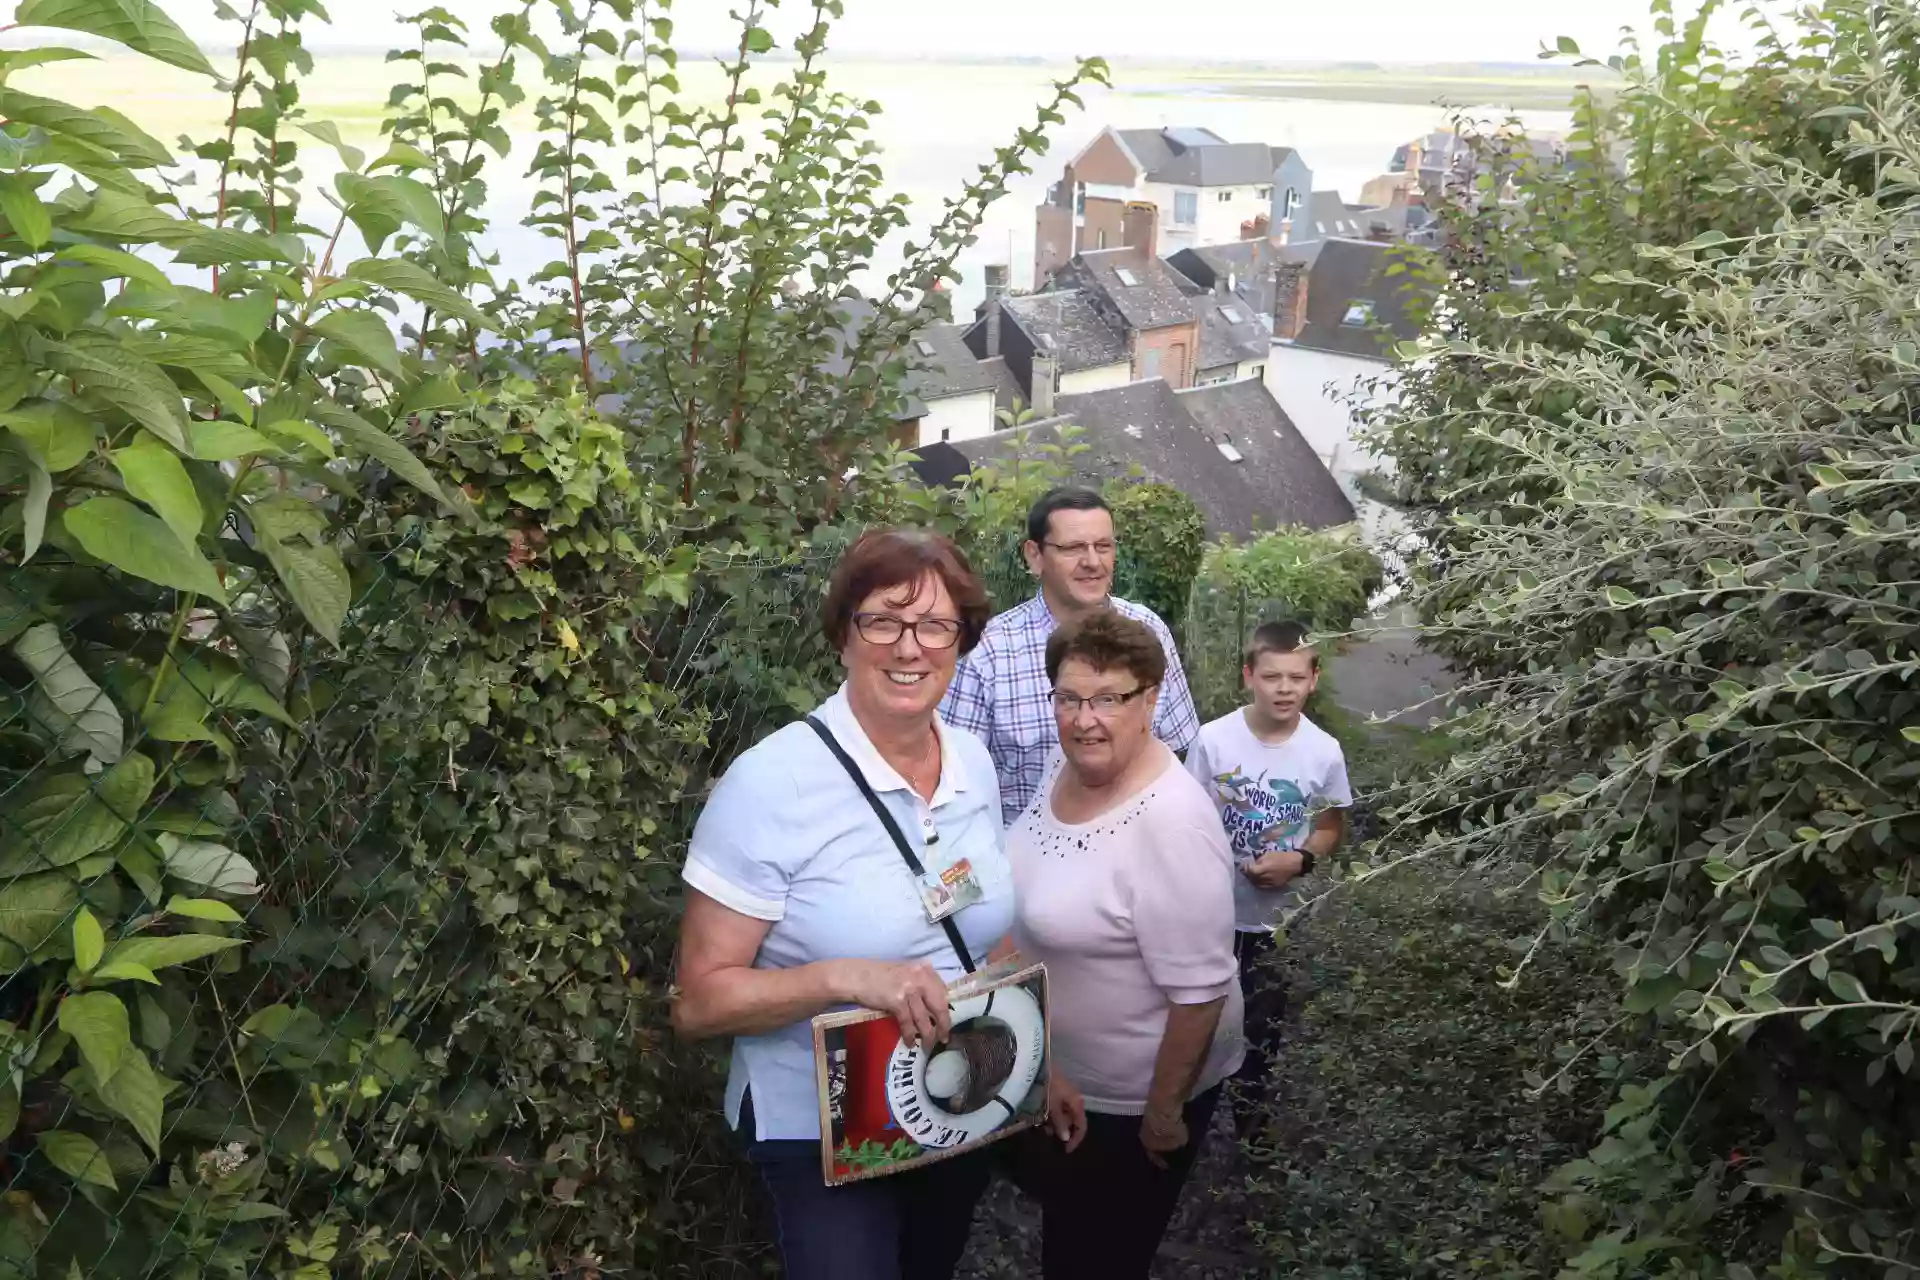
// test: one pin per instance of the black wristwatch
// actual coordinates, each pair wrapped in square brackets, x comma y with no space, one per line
[1306,861]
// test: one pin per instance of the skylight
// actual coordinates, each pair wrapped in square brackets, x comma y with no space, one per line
[924,347]
[1046,340]
[1231,313]
[1359,315]
[1228,452]
[1126,276]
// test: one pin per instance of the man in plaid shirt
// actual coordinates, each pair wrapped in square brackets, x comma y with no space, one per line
[1001,691]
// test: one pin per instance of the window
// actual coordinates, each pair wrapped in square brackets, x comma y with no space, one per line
[1321,227]
[924,347]
[1263,193]
[1260,371]
[1127,277]
[946,434]
[1150,364]
[1225,197]
[1289,203]
[1228,452]
[1232,314]
[1359,315]
[1100,240]
[1186,207]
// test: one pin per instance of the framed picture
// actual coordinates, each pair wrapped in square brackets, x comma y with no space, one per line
[886,1107]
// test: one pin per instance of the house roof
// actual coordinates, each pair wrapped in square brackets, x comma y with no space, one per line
[1230,330]
[1007,391]
[1150,430]
[1143,289]
[1350,297]
[1248,264]
[1330,216]
[1192,157]
[1279,465]
[939,464]
[941,365]
[1066,325]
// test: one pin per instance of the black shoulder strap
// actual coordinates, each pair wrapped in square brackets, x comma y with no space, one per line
[893,829]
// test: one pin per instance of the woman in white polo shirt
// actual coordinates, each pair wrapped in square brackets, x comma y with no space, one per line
[800,901]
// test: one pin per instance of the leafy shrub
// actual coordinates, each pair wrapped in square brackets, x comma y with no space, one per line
[1323,579]
[1668,464]
[1398,1138]
[1164,536]
[361,681]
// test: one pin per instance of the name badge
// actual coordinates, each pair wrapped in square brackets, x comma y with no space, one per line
[945,890]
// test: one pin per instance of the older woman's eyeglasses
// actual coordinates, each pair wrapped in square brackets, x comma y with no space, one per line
[1101,704]
[928,633]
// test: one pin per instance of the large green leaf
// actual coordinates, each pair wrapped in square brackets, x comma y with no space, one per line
[366,335]
[136,1093]
[317,580]
[113,264]
[104,132]
[98,1023]
[66,702]
[34,502]
[138,24]
[362,435]
[223,441]
[104,368]
[415,282]
[70,816]
[35,908]
[60,434]
[89,940]
[329,132]
[154,474]
[77,1156]
[115,531]
[126,217]
[202,862]
[381,205]
[163,953]
[20,204]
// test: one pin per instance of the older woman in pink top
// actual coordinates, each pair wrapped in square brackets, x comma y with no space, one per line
[1123,884]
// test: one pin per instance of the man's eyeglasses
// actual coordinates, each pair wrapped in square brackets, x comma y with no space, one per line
[1080,550]
[1101,704]
[928,633]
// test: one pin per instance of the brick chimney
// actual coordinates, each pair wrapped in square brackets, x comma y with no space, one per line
[1289,300]
[1042,379]
[1140,227]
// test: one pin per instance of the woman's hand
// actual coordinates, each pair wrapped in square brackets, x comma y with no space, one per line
[1066,1112]
[912,994]
[1162,1132]
[1275,870]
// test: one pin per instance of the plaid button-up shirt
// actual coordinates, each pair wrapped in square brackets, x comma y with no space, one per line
[1001,693]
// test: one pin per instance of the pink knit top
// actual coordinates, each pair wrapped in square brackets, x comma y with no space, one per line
[1130,912]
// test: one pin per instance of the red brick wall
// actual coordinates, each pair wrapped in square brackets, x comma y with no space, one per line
[1178,345]
[1105,162]
[1052,241]
[1102,216]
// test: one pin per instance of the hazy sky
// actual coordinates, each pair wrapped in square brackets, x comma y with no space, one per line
[1267,30]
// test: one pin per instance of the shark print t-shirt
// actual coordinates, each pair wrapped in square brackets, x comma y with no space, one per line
[1269,797]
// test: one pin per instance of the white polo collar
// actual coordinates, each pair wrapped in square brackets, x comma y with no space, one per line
[837,713]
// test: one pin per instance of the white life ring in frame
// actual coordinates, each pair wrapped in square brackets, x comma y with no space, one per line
[933,1126]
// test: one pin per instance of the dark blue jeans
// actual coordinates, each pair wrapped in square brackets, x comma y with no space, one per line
[910,1226]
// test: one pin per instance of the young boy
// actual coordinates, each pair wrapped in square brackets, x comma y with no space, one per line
[1281,783]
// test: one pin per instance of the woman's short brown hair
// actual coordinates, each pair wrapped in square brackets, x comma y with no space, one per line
[1105,640]
[882,558]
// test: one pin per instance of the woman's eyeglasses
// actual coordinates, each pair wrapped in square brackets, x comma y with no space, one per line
[928,633]
[1101,704]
